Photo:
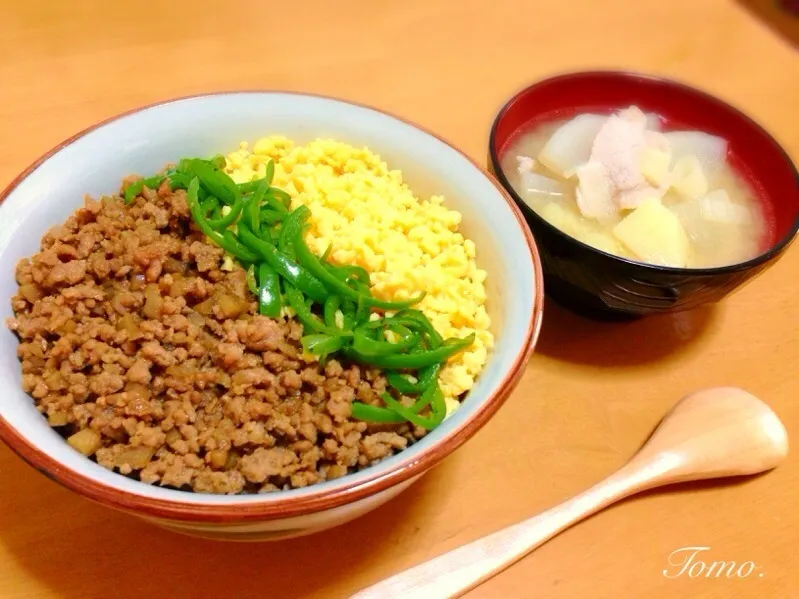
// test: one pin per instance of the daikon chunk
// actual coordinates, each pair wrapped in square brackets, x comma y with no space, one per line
[688,179]
[717,207]
[563,219]
[689,213]
[654,234]
[539,184]
[710,150]
[570,146]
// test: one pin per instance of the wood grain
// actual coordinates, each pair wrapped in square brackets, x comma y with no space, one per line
[590,394]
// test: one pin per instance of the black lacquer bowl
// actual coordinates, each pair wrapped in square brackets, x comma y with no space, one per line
[599,285]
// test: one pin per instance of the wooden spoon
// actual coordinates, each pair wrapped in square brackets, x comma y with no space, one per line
[712,433]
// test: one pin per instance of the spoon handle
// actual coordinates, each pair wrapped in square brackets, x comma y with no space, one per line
[456,572]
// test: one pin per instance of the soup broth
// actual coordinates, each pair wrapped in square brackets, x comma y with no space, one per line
[694,211]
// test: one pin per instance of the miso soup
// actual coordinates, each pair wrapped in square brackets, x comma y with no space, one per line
[622,184]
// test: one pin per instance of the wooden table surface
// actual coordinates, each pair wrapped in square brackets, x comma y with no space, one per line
[590,394]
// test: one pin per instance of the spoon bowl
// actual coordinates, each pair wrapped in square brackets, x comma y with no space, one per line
[719,432]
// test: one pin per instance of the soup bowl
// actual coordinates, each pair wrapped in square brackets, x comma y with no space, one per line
[600,285]
[142,141]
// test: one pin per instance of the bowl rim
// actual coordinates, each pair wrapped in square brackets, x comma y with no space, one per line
[260,509]
[774,250]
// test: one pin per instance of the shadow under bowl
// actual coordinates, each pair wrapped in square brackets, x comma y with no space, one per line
[599,285]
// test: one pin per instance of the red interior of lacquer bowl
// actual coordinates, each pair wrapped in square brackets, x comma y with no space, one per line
[752,151]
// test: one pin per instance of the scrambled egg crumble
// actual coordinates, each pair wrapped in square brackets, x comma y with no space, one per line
[373,219]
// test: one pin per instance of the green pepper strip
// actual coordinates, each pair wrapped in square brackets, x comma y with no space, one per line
[179,181]
[424,378]
[281,195]
[348,310]
[306,259]
[254,208]
[215,181]
[250,186]
[367,346]
[416,320]
[437,404]
[218,161]
[227,241]
[269,175]
[329,311]
[274,203]
[251,215]
[403,316]
[431,336]
[284,266]
[196,212]
[428,423]
[184,166]
[228,219]
[270,217]
[134,189]
[269,291]
[413,360]
[321,344]
[361,313]
[291,226]
[357,272]
[349,274]
[401,384]
[234,247]
[269,196]
[369,413]
[308,318]
[209,204]
[274,233]
[251,284]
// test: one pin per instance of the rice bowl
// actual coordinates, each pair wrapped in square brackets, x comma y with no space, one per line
[145,147]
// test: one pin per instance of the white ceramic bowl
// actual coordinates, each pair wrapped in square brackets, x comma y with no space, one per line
[142,141]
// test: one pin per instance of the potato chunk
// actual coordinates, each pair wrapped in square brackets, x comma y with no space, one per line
[58,419]
[654,234]
[134,457]
[85,441]
[602,241]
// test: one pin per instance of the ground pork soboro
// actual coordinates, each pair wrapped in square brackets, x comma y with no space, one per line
[132,335]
